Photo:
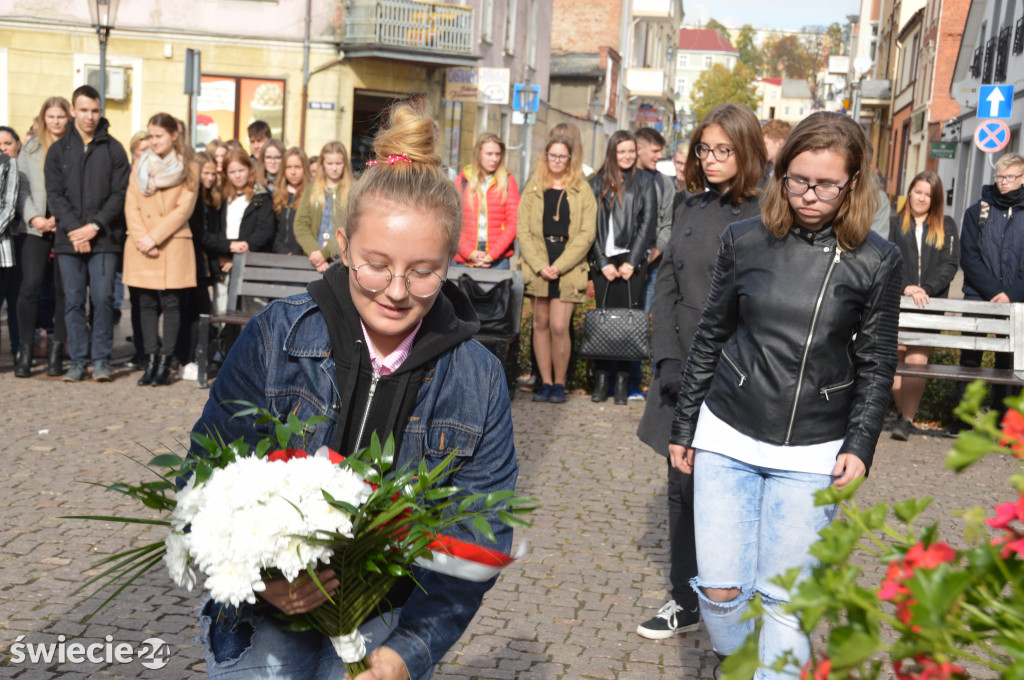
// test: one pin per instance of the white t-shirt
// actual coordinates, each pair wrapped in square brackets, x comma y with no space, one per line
[233,222]
[714,434]
[481,223]
[610,249]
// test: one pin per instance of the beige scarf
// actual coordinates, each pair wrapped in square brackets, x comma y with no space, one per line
[156,173]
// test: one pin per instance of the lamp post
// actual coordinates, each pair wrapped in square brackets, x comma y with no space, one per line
[596,109]
[103,13]
[528,99]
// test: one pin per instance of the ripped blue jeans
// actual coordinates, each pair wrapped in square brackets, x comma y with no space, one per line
[753,523]
[254,646]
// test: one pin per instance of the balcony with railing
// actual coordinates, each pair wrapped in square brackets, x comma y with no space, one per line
[1018,37]
[410,24]
[648,82]
[990,53]
[976,63]
[1002,54]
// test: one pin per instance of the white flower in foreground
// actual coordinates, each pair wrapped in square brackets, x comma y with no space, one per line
[177,560]
[255,515]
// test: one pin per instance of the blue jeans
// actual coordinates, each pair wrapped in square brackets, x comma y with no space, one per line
[257,647]
[752,524]
[95,272]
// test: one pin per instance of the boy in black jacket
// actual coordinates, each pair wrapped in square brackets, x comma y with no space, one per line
[86,179]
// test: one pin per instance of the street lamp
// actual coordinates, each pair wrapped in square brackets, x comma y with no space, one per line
[596,110]
[103,13]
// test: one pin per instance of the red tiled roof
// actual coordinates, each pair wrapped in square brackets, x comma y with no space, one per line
[772,81]
[703,40]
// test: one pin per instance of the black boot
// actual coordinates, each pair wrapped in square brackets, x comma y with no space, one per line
[23,364]
[600,392]
[621,387]
[151,367]
[55,358]
[163,371]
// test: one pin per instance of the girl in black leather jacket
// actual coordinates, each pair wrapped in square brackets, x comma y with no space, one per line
[627,219]
[787,380]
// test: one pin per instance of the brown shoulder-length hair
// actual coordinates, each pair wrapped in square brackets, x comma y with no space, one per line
[282,198]
[170,125]
[213,196]
[936,223]
[240,156]
[824,131]
[741,127]
[542,175]
[610,173]
[43,132]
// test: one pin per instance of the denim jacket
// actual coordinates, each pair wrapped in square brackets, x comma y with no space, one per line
[283,362]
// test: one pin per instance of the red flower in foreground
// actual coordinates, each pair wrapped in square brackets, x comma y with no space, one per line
[821,670]
[894,587]
[285,455]
[927,668]
[1007,514]
[1013,430]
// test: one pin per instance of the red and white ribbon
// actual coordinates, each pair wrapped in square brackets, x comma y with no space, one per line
[469,561]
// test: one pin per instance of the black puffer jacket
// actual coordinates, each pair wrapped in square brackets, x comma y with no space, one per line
[636,218]
[806,334]
[86,185]
[257,228]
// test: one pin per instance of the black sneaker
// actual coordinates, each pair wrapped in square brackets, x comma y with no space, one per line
[544,393]
[557,394]
[902,429]
[670,620]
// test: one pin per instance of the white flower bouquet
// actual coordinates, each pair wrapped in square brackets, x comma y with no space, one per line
[244,515]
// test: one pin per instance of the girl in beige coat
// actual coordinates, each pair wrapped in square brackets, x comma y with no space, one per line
[159,258]
[557,221]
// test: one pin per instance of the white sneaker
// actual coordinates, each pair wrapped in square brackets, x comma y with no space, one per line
[190,371]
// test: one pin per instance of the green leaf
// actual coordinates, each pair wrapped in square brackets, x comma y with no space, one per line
[834,495]
[969,448]
[496,497]
[468,501]
[910,509]
[168,460]
[852,649]
[203,472]
[481,524]
[512,520]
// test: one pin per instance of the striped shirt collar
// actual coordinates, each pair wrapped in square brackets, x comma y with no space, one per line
[393,361]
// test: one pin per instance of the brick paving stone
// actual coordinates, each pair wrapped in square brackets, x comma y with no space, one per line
[569,609]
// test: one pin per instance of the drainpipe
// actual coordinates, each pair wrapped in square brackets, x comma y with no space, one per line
[307,74]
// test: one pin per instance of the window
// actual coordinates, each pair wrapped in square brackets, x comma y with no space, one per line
[680,88]
[487,21]
[511,9]
[707,62]
[682,60]
[785,111]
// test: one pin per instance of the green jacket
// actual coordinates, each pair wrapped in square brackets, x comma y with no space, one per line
[572,263]
[307,223]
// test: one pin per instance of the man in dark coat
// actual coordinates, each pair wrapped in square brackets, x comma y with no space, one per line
[86,178]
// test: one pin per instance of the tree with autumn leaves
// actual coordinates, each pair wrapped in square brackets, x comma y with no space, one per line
[718,85]
[939,610]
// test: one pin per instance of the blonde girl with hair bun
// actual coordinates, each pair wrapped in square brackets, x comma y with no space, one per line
[382,344]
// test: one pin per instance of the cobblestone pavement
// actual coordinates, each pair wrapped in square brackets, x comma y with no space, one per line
[569,609]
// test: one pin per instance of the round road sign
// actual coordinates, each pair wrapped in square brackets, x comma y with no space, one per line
[992,136]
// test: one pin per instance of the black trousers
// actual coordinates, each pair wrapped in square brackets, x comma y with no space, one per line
[34,256]
[620,294]
[150,303]
[681,540]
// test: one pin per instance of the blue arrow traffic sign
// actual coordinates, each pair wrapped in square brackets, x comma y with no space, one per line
[992,136]
[995,101]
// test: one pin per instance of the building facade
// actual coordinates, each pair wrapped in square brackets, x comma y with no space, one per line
[316,70]
[699,49]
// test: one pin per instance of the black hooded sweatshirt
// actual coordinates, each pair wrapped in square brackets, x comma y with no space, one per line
[383,405]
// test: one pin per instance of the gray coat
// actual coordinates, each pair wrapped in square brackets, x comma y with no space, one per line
[680,291]
[33,203]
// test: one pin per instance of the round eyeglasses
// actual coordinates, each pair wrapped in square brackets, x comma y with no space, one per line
[421,283]
[721,153]
[825,192]
[1006,179]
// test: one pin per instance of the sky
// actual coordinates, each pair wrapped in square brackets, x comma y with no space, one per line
[777,14]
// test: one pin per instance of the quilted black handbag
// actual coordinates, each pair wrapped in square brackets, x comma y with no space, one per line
[493,306]
[616,333]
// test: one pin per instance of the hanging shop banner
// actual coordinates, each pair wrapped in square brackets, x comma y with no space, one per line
[494,84]
[462,85]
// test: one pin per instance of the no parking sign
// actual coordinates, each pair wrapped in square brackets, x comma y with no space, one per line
[992,136]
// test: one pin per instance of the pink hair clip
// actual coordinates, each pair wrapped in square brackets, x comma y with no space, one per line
[392,159]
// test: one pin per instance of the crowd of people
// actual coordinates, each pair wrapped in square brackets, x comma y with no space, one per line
[769,263]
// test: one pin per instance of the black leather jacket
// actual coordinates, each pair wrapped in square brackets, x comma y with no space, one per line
[807,337]
[636,218]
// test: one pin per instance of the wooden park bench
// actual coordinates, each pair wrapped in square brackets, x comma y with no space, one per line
[253,275]
[964,324]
